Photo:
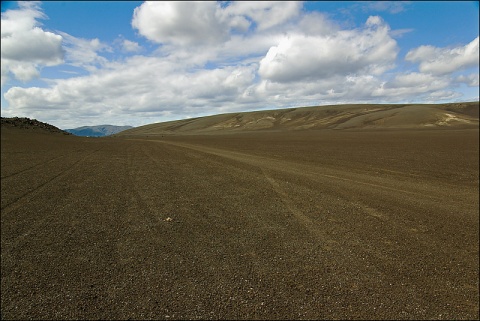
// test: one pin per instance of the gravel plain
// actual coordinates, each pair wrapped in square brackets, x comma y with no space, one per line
[279,225]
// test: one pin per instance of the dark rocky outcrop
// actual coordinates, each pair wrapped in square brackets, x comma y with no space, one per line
[30,124]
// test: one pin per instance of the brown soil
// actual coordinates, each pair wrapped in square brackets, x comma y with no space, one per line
[280,225]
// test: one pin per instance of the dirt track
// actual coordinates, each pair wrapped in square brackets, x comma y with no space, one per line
[304,225]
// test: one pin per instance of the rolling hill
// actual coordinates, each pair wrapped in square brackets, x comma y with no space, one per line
[357,117]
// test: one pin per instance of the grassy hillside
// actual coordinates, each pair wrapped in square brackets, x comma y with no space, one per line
[371,116]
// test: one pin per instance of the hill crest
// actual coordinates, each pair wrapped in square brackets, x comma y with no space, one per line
[338,117]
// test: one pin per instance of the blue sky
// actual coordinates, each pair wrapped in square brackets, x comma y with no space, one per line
[87,63]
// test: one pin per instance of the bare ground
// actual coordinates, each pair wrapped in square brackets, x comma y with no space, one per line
[289,225]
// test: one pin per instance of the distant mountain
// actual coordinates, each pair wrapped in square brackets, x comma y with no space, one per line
[97,131]
[338,117]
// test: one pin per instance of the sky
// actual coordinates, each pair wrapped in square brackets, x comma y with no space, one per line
[83,63]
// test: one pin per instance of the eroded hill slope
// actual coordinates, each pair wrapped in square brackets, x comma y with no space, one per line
[373,116]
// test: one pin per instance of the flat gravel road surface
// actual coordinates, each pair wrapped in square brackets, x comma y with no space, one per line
[288,225]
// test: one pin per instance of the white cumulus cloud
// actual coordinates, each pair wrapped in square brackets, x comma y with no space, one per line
[392,7]
[413,83]
[26,47]
[445,60]
[183,23]
[471,80]
[144,86]
[131,46]
[300,57]
[206,23]
[265,14]
[84,52]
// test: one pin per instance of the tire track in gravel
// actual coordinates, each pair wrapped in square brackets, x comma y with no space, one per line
[405,199]
[359,243]
[266,166]
[135,188]
[204,167]
[297,213]
[286,199]
[140,219]
[149,152]
[20,200]
[340,252]
[32,167]
[418,195]
[407,188]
